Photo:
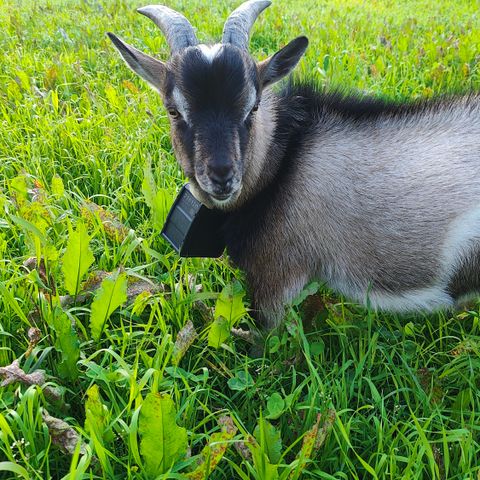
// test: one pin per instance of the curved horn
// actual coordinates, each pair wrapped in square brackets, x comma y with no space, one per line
[238,25]
[176,28]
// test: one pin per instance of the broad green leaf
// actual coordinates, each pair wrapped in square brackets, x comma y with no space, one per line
[409,329]
[18,186]
[264,468]
[162,442]
[96,415]
[269,440]
[111,294]
[158,200]
[24,79]
[219,332]
[54,98]
[310,289]
[230,303]
[67,344]
[77,259]
[275,406]
[317,348]
[274,344]
[30,228]
[111,95]
[241,381]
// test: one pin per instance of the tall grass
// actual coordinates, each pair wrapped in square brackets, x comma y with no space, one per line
[84,144]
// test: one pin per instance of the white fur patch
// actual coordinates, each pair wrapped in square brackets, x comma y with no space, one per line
[252,98]
[462,232]
[210,51]
[423,299]
[222,204]
[180,103]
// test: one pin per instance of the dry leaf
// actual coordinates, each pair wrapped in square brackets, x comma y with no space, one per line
[137,286]
[114,228]
[62,434]
[34,336]
[325,429]
[227,425]
[13,373]
[185,337]
[247,335]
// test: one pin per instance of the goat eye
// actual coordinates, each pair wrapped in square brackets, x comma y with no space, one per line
[251,113]
[174,113]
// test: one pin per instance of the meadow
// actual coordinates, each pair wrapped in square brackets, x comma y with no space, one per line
[116,357]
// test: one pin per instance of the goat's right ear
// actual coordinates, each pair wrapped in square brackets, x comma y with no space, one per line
[283,62]
[149,68]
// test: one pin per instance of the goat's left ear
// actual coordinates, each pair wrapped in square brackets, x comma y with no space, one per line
[283,62]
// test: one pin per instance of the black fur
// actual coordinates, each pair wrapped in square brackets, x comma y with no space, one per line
[218,86]
[467,278]
[315,103]
[215,92]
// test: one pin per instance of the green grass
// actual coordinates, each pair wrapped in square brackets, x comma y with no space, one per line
[399,397]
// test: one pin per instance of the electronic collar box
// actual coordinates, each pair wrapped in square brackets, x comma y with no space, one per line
[192,229]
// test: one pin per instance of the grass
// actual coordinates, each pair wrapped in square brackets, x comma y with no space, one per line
[398,397]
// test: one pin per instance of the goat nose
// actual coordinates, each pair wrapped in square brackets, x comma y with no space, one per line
[221,177]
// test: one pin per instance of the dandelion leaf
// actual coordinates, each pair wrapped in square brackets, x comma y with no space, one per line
[162,441]
[96,415]
[230,303]
[269,438]
[219,332]
[111,294]
[77,259]
[67,344]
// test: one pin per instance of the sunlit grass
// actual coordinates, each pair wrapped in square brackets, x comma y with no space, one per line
[77,126]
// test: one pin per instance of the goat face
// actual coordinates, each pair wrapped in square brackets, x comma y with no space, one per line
[211,94]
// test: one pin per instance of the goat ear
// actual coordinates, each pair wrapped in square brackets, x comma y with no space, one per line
[283,62]
[149,68]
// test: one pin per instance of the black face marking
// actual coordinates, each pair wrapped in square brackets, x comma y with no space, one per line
[218,95]
[219,86]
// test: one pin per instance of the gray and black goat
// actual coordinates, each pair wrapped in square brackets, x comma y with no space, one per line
[381,201]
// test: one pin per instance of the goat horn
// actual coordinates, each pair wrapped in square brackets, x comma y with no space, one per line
[176,28]
[238,25]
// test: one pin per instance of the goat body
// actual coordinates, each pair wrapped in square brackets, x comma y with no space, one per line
[380,201]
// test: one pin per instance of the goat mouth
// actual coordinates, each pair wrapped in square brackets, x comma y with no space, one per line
[225,201]
[221,198]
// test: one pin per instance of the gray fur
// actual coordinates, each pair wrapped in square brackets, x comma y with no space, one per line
[386,212]
[384,208]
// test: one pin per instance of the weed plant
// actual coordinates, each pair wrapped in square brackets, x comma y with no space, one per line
[116,355]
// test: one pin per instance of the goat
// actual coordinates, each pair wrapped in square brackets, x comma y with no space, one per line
[381,201]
